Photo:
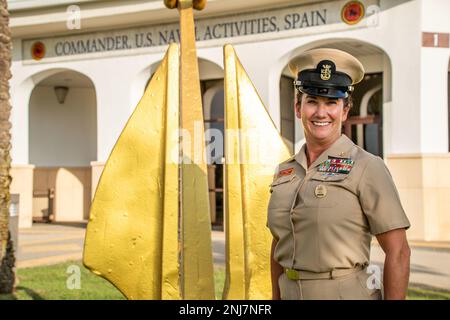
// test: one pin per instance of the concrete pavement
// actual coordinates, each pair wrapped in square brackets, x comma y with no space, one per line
[46,244]
[430,265]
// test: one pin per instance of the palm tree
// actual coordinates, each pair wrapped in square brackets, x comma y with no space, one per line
[6,249]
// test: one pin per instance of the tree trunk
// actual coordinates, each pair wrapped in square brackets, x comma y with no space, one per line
[6,248]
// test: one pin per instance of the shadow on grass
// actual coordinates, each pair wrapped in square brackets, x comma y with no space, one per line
[30,292]
[33,295]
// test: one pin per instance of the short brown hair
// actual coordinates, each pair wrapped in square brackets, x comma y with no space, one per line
[348,102]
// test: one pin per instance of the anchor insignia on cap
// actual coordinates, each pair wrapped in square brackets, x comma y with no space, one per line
[325,73]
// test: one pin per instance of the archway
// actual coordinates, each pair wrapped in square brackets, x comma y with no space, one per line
[366,126]
[62,144]
[211,86]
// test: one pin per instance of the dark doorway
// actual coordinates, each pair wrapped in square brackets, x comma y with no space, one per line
[364,124]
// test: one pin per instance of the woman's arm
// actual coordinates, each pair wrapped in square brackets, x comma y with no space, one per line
[276,271]
[396,264]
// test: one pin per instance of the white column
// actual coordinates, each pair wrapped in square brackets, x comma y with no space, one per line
[387,105]
[405,109]
[433,100]
[113,110]
[20,99]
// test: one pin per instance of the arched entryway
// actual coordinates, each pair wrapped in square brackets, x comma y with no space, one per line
[366,122]
[62,144]
[211,86]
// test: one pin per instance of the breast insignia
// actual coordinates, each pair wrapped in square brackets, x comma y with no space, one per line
[336,165]
[320,191]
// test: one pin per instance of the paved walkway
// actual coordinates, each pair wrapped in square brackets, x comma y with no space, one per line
[46,244]
[430,265]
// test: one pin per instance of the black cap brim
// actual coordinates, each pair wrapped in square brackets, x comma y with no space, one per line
[324,92]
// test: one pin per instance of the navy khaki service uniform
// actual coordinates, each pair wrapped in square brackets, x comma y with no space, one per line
[323,218]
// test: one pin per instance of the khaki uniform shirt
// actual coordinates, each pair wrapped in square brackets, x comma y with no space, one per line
[323,220]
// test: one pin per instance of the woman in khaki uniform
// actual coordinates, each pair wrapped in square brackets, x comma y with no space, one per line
[330,198]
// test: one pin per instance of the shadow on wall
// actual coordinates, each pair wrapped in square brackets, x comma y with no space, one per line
[61,194]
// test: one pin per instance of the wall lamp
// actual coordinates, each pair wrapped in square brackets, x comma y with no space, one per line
[61,93]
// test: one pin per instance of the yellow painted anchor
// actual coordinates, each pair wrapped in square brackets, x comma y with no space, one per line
[149,231]
[250,161]
[133,237]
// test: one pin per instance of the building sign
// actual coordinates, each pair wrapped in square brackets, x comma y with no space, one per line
[353,12]
[245,27]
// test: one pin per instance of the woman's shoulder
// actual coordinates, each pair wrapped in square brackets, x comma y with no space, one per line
[365,156]
[368,161]
[288,160]
[287,167]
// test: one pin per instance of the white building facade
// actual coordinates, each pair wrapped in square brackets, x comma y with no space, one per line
[98,56]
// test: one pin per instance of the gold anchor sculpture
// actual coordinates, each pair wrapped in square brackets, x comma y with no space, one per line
[149,231]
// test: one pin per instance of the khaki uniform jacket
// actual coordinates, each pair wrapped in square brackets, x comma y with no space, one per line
[323,220]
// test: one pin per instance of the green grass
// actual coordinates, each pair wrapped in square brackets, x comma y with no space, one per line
[427,293]
[219,281]
[50,283]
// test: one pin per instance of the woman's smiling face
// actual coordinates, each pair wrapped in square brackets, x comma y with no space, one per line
[322,118]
